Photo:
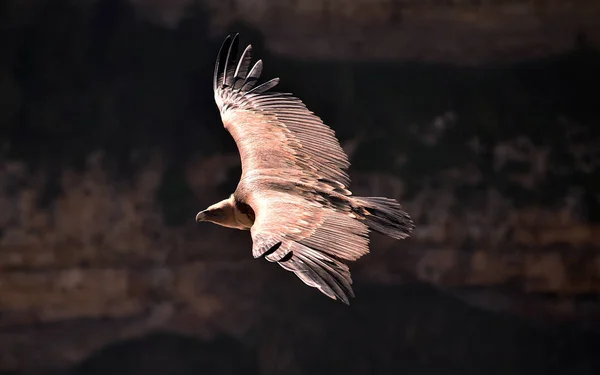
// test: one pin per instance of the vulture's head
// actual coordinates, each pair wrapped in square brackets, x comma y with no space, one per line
[223,213]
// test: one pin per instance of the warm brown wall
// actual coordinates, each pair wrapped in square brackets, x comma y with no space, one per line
[87,258]
[455,31]
[102,250]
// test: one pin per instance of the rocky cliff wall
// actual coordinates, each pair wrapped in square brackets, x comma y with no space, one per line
[81,246]
[466,32]
[110,144]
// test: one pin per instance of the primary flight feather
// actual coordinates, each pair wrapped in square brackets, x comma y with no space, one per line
[293,193]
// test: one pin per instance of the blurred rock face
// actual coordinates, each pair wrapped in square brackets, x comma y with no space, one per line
[101,248]
[468,32]
[110,143]
[465,32]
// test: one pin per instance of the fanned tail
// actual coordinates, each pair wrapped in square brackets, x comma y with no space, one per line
[385,216]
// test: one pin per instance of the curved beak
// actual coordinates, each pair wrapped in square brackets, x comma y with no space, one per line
[201,216]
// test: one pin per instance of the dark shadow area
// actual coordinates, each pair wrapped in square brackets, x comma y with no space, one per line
[415,329]
[167,353]
[412,329]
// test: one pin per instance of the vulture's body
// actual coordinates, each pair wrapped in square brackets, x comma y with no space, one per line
[293,192]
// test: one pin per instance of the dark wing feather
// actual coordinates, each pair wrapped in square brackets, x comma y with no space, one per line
[241,72]
[274,131]
[265,86]
[253,76]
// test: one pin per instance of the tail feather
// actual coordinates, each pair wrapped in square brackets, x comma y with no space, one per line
[385,216]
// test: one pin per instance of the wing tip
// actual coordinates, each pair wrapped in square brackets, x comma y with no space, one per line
[220,57]
[224,55]
[225,76]
[345,299]
[230,61]
[339,297]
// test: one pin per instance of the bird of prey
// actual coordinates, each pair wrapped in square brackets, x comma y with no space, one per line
[293,192]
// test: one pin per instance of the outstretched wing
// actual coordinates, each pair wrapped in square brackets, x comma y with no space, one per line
[275,133]
[306,235]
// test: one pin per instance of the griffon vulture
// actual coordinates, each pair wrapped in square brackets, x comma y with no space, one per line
[293,193]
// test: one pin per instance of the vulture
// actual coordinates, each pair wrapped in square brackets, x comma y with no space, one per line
[293,194]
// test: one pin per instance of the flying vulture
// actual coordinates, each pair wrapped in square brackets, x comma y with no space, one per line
[293,193]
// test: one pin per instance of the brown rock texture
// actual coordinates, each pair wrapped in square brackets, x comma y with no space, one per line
[467,32]
[110,143]
[101,250]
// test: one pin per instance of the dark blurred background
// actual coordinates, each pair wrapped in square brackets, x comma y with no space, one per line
[481,117]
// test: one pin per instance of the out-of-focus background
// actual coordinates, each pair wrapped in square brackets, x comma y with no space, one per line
[481,117]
